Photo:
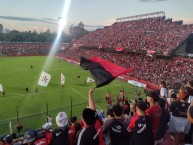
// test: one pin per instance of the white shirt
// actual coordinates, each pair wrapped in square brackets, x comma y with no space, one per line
[164,92]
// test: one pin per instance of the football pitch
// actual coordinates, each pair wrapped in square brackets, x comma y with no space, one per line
[16,75]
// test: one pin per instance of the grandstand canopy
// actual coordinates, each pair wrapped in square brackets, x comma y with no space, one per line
[143,16]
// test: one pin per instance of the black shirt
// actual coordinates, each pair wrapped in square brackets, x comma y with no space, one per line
[88,136]
[179,109]
[142,133]
[60,136]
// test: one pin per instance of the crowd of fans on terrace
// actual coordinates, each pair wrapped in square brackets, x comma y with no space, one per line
[158,34]
[150,69]
[27,49]
[162,118]
[24,49]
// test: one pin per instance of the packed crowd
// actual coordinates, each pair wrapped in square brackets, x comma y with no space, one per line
[27,49]
[175,71]
[164,117]
[158,34]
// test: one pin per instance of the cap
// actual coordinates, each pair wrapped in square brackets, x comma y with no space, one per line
[29,136]
[8,139]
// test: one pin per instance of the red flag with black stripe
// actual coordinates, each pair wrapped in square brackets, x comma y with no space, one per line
[103,71]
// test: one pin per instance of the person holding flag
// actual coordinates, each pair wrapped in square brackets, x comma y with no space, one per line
[62,80]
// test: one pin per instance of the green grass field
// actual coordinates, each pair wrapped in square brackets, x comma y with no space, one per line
[16,74]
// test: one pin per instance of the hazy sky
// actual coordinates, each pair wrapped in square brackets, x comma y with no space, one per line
[42,14]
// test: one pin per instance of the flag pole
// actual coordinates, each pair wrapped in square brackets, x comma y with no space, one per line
[46,110]
[17,114]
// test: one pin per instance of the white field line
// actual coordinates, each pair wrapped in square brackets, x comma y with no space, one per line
[11,72]
[85,97]
[17,95]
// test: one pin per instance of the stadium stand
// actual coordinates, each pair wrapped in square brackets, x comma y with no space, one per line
[27,49]
[150,69]
[158,34]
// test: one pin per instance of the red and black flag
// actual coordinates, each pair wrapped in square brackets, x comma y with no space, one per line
[102,71]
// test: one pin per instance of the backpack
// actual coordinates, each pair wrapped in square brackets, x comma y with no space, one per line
[41,138]
[118,133]
[60,136]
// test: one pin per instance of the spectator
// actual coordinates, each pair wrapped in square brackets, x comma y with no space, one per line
[189,88]
[179,125]
[190,115]
[132,108]
[127,115]
[88,135]
[154,111]
[8,140]
[63,134]
[41,138]
[173,98]
[48,134]
[163,90]
[117,128]
[97,125]
[29,137]
[164,119]
[2,137]
[140,126]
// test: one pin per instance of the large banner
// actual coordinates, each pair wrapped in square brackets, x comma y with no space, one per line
[44,79]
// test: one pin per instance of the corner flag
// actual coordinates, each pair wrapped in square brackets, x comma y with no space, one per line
[44,79]
[62,79]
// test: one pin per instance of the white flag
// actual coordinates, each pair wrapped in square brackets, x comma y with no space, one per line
[44,79]
[62,79]
[89,80]
[1,88]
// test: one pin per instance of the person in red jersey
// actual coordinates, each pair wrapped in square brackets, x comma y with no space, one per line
[154,111]
[48,134]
